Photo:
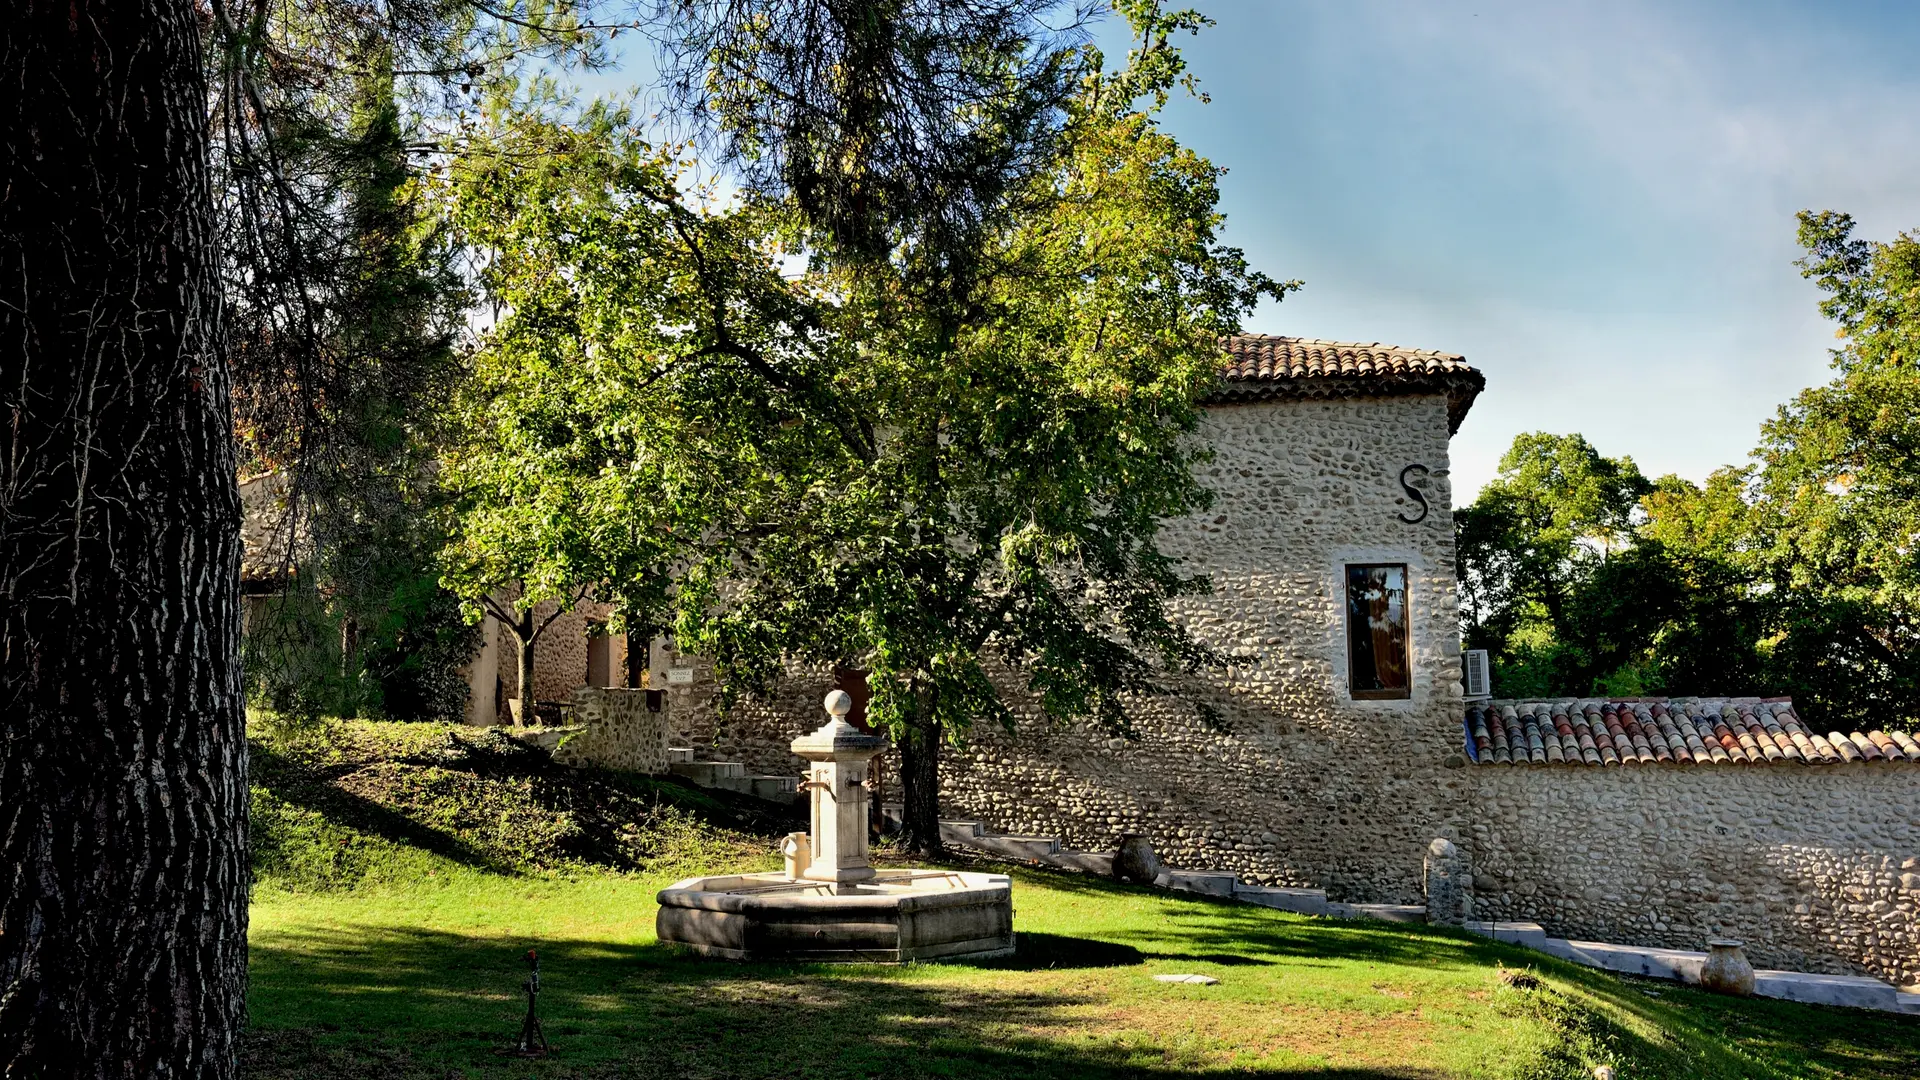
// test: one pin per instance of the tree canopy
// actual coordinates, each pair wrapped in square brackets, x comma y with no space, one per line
[815,457]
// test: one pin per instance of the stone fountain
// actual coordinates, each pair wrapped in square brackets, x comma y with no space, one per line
[830,904]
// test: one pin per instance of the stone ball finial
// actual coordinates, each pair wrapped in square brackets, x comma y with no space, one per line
[839,703]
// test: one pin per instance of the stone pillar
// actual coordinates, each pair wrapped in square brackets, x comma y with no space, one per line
[483,676]
[837,783]
[1449,885]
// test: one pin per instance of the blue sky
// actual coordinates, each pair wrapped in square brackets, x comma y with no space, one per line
[1593,201]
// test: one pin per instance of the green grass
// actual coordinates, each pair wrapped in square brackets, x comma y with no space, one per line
[403,961]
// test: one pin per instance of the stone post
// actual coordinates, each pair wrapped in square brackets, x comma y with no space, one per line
[837,783]
[1134,860]
[1449,882]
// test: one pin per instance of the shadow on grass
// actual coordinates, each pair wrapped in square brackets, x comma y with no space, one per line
[1049,952]
[401,1004]
[406,1004]
[1684,1031]
[310,789]
[1222,931]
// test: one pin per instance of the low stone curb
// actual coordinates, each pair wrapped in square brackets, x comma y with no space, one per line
[1683,966]
[1852,991]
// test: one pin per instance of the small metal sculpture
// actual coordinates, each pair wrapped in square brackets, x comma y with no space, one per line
[532,1042]
[1415,494]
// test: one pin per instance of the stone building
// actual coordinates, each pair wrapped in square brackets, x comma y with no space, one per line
[574,649]
[1346,746]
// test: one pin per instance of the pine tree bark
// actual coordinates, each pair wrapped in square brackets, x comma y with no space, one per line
[123,789]
[920,785]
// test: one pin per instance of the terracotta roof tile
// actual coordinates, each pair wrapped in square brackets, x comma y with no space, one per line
[1888,748]
[1693,731]
[1264,367]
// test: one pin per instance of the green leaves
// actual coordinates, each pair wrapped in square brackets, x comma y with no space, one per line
[1531,549]
[953,480]
[1797,574]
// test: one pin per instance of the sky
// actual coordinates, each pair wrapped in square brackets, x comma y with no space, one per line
[1592,201]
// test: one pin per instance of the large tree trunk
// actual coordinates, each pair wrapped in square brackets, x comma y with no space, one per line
[123,788]
[920,785]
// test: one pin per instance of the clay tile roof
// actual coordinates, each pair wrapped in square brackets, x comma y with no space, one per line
[1262,367]
[1691,731]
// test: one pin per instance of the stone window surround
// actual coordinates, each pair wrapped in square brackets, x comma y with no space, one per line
[1406,631]
[1421,691]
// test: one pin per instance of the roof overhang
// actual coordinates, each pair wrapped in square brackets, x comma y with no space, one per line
[1264,367]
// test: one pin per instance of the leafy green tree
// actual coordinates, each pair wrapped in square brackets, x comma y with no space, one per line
[1534,547]
[1021,420]
[1798,573]
[935,471]
[1708,620]
[649,371]
[1838,488]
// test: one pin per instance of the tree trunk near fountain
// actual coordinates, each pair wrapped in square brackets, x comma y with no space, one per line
[920,785]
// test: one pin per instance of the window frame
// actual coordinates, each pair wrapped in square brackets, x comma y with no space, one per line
[1354,693]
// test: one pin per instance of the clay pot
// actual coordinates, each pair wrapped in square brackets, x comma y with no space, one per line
[1727,970]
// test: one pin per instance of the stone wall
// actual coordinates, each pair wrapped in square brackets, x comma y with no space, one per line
[1816,868]
[618,731]
[559,661]
[1299,784]
[1289,788]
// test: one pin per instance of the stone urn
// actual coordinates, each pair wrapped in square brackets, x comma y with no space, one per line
[1727,970]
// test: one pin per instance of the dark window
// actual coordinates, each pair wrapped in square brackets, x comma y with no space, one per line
[1377,662]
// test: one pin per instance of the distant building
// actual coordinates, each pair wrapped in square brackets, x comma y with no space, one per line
[574,651]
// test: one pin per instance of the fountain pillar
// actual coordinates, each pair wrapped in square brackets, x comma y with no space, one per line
[830,905]
[837,784]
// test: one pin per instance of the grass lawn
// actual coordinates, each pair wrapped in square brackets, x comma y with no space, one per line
[424,982]
[404,869]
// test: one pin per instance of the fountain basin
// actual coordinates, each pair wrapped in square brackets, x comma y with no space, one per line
[894,917]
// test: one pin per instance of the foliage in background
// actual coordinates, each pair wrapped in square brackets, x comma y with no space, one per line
[882,123]
[345,307]
[1798,574]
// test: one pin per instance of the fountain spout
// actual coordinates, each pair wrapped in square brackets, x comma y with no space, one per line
[837,785]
